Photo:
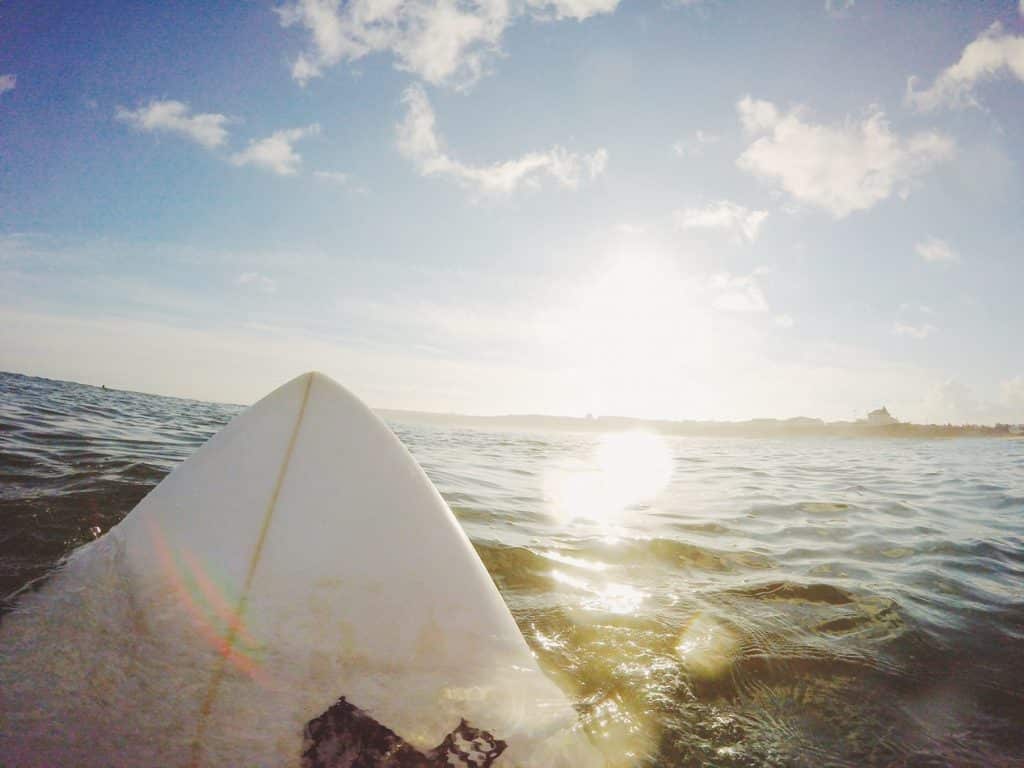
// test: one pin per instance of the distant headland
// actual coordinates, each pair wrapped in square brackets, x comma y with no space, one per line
[877,423]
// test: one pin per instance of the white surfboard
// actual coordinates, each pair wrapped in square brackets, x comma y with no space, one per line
[299,557]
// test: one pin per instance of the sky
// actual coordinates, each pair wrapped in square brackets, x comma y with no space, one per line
[684,210]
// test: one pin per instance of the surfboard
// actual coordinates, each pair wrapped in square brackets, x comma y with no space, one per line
[296,593]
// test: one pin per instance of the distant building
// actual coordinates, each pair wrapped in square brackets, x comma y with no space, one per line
[881,418]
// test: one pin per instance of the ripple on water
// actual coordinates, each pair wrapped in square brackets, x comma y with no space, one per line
[764,603]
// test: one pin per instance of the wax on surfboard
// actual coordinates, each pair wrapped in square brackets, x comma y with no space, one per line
[299,564]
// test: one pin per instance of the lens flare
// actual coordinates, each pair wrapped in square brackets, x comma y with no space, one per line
[706,647]
[216,614]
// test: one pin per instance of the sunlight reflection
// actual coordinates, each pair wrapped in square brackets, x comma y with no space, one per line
[608,598]
[546,641]
[620,733]
[625,469]
[575,562]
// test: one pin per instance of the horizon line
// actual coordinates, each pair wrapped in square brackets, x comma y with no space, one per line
[809,422]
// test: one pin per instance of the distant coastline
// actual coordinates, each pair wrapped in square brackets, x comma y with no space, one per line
[800,426]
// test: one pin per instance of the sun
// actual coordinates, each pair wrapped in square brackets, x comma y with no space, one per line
[636,336]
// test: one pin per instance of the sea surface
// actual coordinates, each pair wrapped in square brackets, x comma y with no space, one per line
[707,602]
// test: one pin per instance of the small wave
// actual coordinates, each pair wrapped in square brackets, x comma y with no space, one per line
[861,600]
[787,590]
[679,554]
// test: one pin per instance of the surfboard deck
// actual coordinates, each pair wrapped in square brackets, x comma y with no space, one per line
[300,561]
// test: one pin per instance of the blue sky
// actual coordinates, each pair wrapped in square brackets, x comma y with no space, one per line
[682,210]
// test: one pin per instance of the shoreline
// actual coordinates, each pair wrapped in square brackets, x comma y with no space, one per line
[799,426]
[753,428]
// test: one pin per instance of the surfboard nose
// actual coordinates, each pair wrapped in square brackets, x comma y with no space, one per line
[301,555]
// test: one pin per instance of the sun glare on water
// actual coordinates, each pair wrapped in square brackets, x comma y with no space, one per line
[625,470]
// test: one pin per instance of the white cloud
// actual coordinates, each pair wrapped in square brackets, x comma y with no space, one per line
[922,331]
[276,153]
[840,168]
[726,216]
[595,163]
[174,117]
[439,41]
[578,9]
[839,6]
[738,293]
[909,307]
[257,281]
[991,55]
[694,147]
[784,321]
[757,115]
[937,251]
[419,141]
[336,176]
[8,82]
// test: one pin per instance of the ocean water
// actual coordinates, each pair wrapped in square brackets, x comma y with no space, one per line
[707,602]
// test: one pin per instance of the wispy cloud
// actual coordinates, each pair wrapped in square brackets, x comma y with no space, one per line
[838,7]
[336,176]
[921,331]
[841,168]
[992,55]
[176,117]
[419,141]
[694,146]
[738,293]
[275,153]
[439,41]
[741,223]
[909,307]
[913,322]
[257,281]
[8,83]
[937,251]
[643,308]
